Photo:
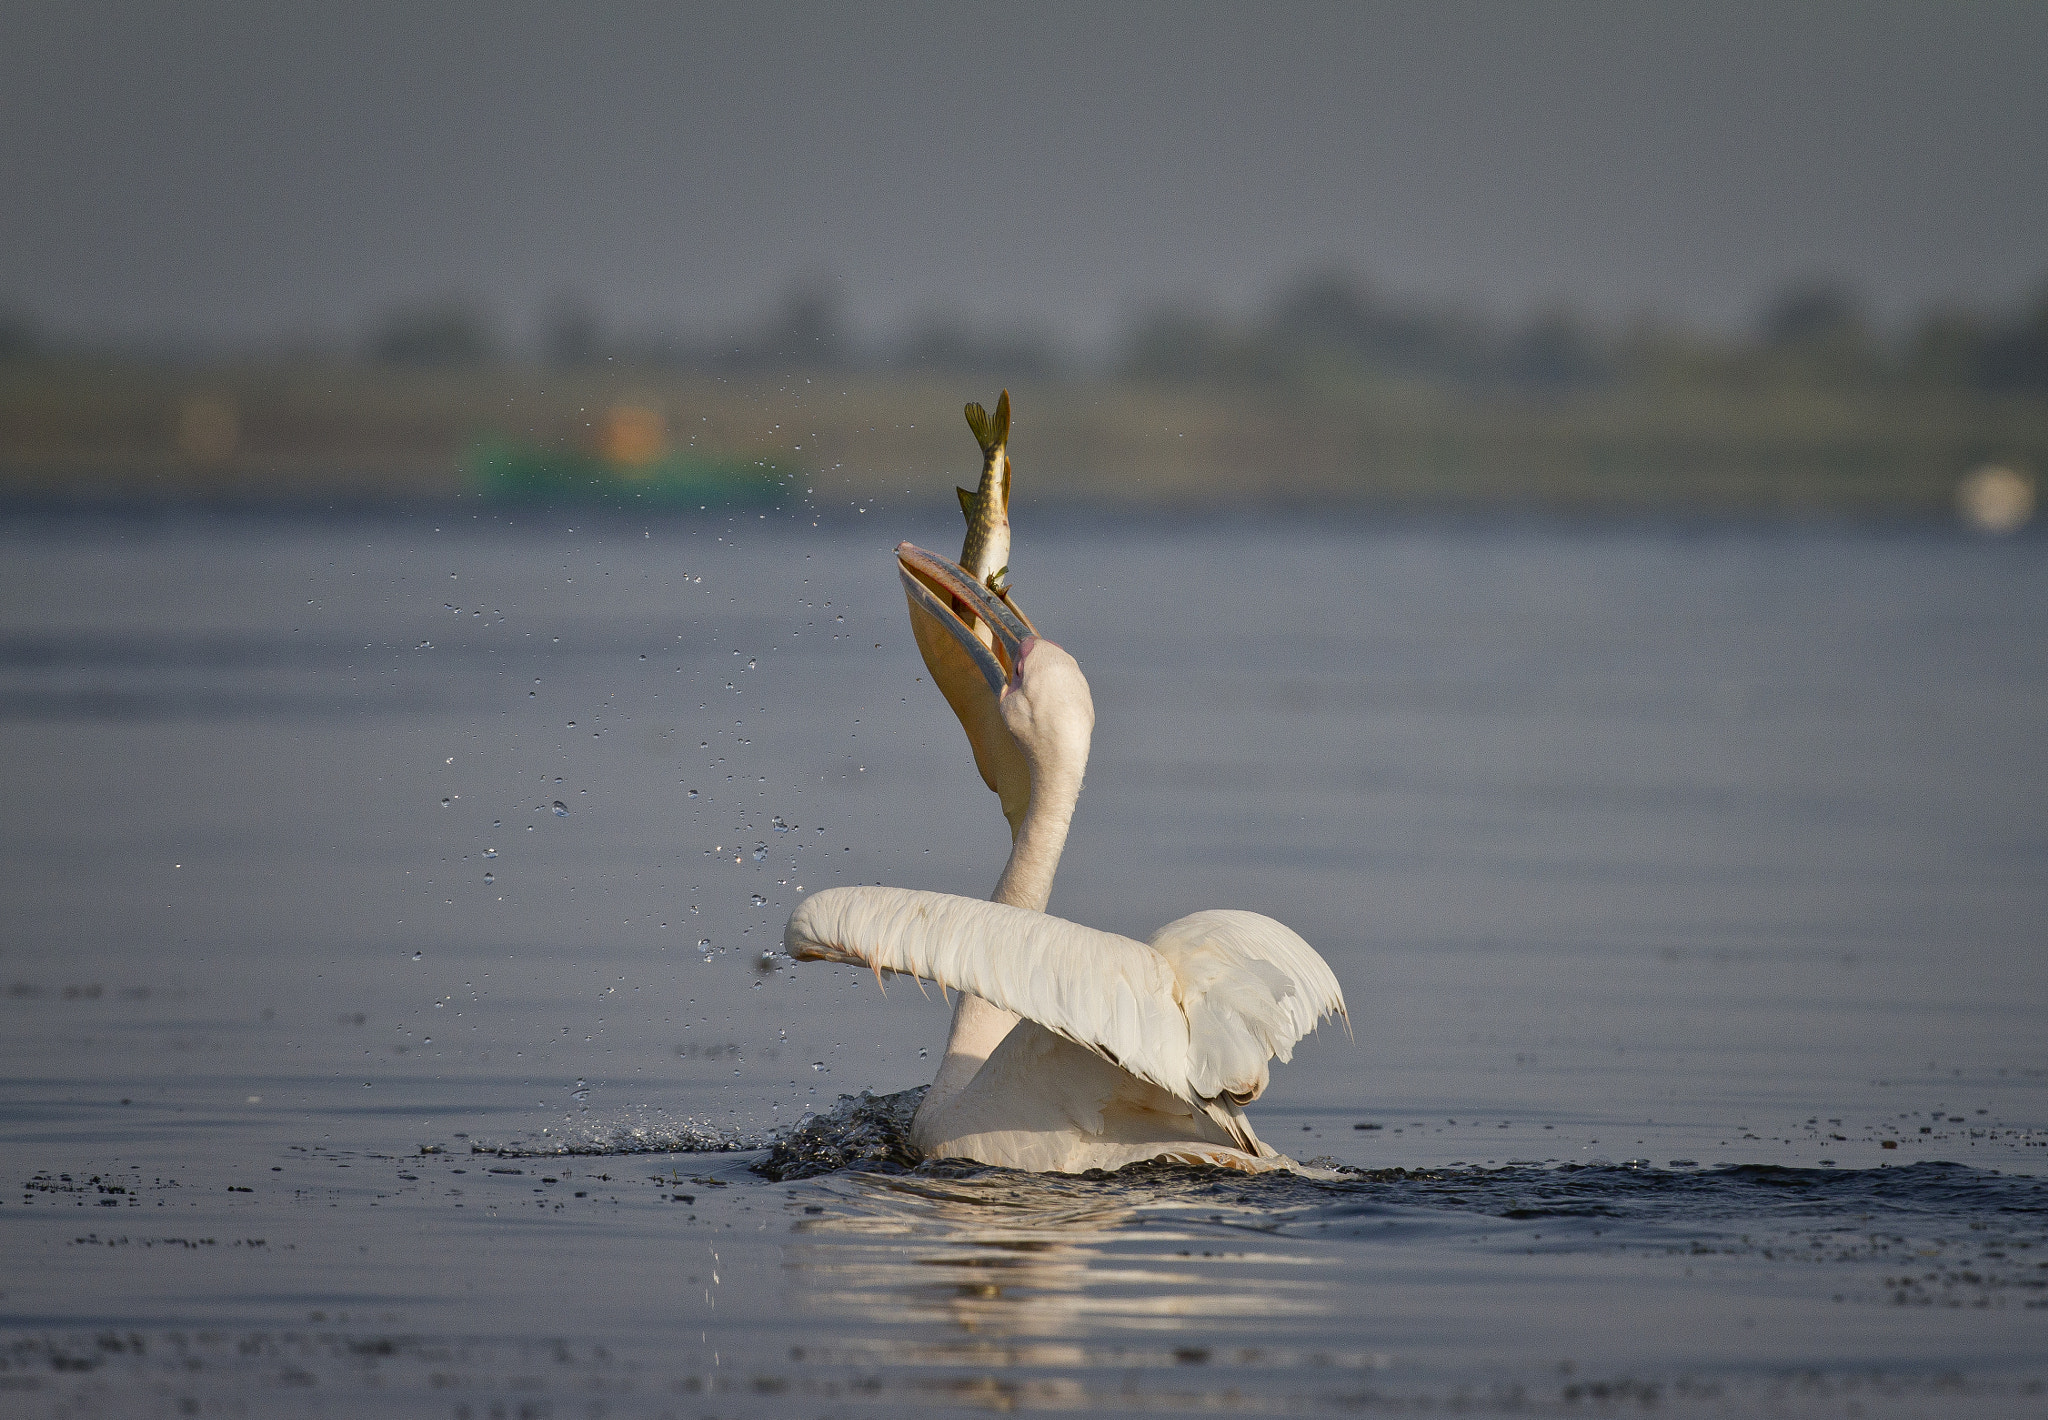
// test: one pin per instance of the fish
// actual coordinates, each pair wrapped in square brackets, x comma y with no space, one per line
[986,553]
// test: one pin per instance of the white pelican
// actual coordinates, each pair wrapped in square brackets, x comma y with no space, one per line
[1126,1050]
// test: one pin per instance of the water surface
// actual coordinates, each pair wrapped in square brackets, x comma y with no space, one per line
[388,901]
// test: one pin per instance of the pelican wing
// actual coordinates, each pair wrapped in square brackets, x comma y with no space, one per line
[1105,993]
[1251,988]
[1197,1013]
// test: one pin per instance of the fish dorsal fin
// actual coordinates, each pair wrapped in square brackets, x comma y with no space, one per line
[991,434]
[967,505]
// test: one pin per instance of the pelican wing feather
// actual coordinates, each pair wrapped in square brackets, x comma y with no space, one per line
[1198,1012]
[1250,988]
[1106,993]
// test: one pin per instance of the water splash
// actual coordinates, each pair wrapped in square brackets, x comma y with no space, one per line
[684,1136]
[866,1129]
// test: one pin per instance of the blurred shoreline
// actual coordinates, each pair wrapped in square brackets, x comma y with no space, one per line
[1335,395]
[77,431]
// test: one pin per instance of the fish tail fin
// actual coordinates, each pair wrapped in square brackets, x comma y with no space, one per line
[978,421]
[990,433]
[966,503]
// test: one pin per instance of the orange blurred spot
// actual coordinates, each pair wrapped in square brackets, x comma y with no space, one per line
[632,435]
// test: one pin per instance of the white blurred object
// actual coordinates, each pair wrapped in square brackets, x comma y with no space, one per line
[1995,499]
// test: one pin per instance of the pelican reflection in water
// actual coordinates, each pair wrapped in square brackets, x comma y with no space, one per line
[1059,1262]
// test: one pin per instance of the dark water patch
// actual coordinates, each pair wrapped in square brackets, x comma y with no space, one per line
[1923,1194]
[1931,1189]
[193,1372]
[1940,1229]
[869,1134]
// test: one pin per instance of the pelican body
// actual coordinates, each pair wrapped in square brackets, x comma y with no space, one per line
[1070,1048]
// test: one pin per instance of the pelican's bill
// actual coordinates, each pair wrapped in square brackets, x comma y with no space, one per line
[953,599]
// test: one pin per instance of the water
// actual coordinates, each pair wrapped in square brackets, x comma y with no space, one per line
[1686,887]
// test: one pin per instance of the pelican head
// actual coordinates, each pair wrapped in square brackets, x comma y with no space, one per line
[1021,698]
[1048,711]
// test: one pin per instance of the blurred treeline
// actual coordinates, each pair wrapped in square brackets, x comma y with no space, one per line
[1813,335]
[1331,390]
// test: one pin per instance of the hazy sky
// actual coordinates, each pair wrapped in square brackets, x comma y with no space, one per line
[240,170]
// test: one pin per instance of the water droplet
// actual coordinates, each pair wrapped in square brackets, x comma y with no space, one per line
[561,809]
[760,851]
[693,793]
[758,900]
[416,956]
[922,1052]
[447,803]
[491,852]
[819,1066]
[778,825]
[490,877]
[750,665]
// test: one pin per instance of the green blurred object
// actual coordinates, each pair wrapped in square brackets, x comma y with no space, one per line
[511,472]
